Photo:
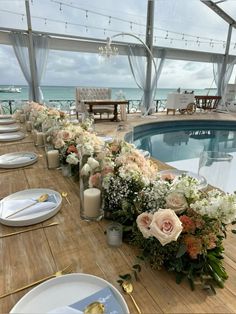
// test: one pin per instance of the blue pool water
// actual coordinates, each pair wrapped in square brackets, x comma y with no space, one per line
[171,141]
[179,144]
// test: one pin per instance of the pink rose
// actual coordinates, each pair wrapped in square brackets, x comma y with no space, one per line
[143,221]
[165,226]
[95,180]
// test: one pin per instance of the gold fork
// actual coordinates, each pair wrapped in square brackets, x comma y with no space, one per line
[64,271]
[29,229]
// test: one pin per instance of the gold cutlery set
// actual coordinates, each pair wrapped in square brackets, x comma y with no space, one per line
[94,307]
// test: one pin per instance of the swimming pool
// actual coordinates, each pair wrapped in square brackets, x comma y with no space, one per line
[179,143]
[177,140]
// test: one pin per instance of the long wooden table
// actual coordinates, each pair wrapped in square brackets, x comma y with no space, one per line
[107,102]
[30,256]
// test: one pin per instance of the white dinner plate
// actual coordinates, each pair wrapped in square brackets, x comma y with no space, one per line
[17,159]
[202,182]
[62,291]
[7,121]
[13,136]
[30,215]
[5,116]
[9,128]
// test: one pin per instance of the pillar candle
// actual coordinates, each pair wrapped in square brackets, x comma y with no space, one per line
[92,202]
[28,126]
[39,139]
[53,158]
[34,136]
[22,118]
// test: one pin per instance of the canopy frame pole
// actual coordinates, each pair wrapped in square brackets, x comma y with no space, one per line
[149,43]
[31,50]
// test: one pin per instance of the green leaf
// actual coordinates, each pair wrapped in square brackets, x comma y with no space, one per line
[120,282]
[126,277]
[233,222]
[191,283]
[179,277]
[234,231]
[137,267]
[182,250]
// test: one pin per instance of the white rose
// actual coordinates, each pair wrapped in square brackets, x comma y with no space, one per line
[59,143]
[143,221]
[165,226]
[176,201]
[93,163]
[85,171]
[72,159]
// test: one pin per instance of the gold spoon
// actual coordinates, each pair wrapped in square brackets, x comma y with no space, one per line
[94,308]
[128,288]
[64,194]
[41,198]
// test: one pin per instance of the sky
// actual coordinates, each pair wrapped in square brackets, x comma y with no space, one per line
[186,24]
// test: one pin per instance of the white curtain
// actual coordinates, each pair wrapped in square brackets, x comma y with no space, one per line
[138,68]
[20,43]
[222,85]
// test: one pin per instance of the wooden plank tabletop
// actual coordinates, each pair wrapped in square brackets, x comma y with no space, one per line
[30,256]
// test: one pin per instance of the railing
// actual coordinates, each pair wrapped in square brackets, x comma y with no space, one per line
[10,106]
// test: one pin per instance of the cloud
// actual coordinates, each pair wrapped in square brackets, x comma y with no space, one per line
[72,68]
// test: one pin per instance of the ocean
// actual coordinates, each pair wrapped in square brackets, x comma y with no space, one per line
[68,93]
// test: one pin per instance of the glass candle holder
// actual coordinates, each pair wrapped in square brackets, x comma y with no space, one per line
[215,168]
[90,204]
[52,156]
[114,234]
[126,132]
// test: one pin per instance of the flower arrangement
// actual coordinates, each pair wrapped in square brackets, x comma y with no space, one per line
[174,224]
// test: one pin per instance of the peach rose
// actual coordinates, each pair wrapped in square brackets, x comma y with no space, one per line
[165,226]
[176,201]
[143,221]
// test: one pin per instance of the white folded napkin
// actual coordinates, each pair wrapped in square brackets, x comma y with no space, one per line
[11,206]
[17,159]
[65,310]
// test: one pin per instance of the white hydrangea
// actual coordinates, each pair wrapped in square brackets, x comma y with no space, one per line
[217,205]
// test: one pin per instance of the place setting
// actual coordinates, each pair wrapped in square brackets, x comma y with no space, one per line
[12,136]
[70,292]
[29,207]
[5,121]
[17,159]
[9,128]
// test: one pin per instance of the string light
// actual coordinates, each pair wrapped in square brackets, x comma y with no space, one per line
[60,8]
[109,22]
[196,39]
[86,14]
[184,35]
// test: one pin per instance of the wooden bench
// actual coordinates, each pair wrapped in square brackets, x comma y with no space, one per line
[207,103]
